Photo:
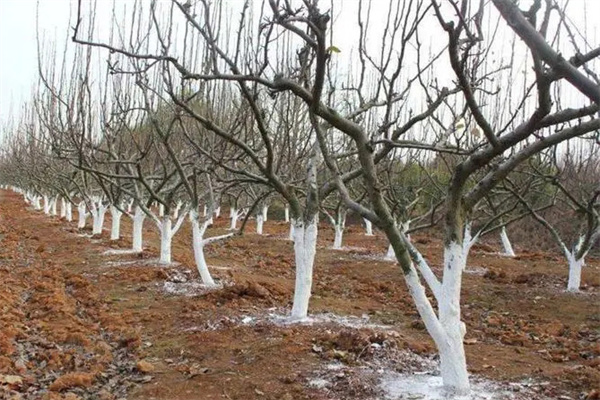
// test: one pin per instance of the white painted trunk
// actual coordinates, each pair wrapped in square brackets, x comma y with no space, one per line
[63,207]
[217,212]
[390,255]
[198,245]
[292,228]
[129,206]
[205,211]
[165,240]
[138,229]
[233,213]
[54,207]
[36,203]
[259,224]
[506,245]
[287,214]
[161,210]
[453,363]
[69,212]
[82,215]
[265,213]
[305,246]
[575,267]
[98,219]
[115,229]
[177,208]
[46,205]
[368,227]
[339,234]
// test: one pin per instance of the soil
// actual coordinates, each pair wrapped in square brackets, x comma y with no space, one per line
[78,322]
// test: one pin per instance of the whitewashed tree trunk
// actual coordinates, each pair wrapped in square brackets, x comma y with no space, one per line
[205,211]
[69,212]
[265,213]
[287,213]
[129,206]
[138,229]
[46,205]
[198,243]
[233,213]
[165,240]
[176,210]
[305,246]
[368,227]
[82,214]
[63,207]
[161,210]
[167,231]
[575,267]
[259,224]
[506,245]
[37,203]
[339,234]
[453,363]
[446,328]
[115,229]
[390,255]
[217,212]
[98,214]
[292,228]
[54,206]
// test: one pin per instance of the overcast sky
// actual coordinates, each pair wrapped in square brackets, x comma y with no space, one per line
[18,55]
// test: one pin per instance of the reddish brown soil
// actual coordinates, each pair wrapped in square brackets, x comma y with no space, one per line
[77,324]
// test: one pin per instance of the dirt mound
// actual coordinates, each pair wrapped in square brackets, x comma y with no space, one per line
[267,293]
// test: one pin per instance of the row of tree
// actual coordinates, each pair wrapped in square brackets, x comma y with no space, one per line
[195,109]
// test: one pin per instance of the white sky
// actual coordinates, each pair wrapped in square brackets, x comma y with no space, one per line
[18,49]
[18,53]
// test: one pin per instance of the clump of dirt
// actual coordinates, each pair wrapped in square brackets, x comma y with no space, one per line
[249,291]
[351,345]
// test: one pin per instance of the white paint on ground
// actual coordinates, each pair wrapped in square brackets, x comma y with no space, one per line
[398,386]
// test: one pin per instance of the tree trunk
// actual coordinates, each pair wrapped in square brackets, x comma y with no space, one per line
[287,213]
[217,212]
[69,212]
[115,229]
[98,219]
[233,214]
[292,228]
[305,246]
[259,224]
[198,245]
[54,206]
[368,227]
[138,228]
[453,363]
[82,215]
[46,205]
[575,267]
[339,234]
[390,255]
[506,245]
[63,207]
[265,213]
[165,240]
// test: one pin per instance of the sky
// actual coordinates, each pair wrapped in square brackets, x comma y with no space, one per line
[18,45]
[18,48]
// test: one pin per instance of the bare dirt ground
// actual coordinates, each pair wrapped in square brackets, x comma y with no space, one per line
[78,322]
